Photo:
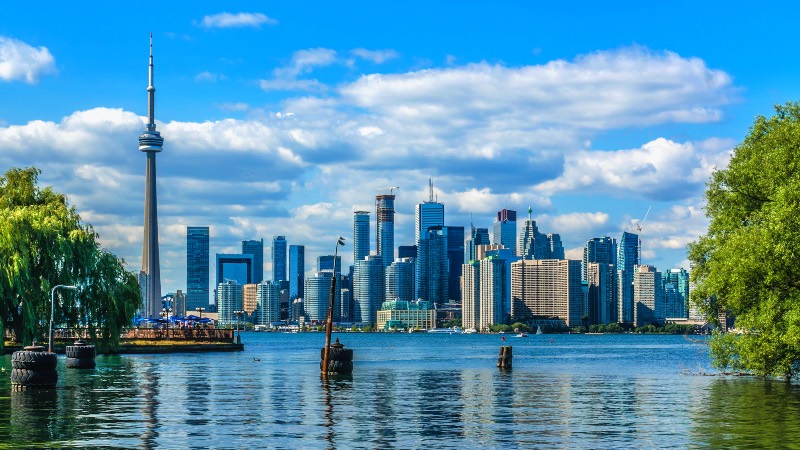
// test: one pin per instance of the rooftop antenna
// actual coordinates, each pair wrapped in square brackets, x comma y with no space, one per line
[430,187]
[530,213]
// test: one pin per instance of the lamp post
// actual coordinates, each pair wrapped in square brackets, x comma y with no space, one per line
[53,310]
[165,313]
[329,325]
[200,311]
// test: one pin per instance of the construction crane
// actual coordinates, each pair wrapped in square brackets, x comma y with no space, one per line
[390,188]
[639,229]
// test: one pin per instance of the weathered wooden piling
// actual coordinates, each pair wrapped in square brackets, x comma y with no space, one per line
[504,358]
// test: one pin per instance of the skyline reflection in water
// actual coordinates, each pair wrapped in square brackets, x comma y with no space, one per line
[413,391]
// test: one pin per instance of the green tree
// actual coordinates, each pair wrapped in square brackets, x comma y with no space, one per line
[748,263]
[43,243]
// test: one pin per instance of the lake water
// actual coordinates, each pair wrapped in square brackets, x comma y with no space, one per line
[410,391]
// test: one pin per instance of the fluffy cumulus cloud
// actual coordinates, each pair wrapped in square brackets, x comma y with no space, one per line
[23,62]
[490,135]
[237,20]
[660,170]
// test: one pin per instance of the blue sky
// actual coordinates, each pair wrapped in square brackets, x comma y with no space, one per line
[285,117]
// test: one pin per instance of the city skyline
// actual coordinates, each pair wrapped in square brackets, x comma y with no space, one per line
[279,123]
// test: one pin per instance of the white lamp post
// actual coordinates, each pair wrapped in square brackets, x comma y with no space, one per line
[53,310]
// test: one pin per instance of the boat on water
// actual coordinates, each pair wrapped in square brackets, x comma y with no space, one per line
[470,331]
[539,329]
[521,335]
[454,330]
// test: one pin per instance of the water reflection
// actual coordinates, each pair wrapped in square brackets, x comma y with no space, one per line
[745,412]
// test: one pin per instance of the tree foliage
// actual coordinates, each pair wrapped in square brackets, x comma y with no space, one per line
[748,263]
[44,243]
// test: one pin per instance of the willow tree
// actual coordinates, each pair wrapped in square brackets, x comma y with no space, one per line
[748,263]
[44,243]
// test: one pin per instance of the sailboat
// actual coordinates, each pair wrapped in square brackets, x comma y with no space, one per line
[539,329]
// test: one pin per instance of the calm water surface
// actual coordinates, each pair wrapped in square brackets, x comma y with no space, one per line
[410,391]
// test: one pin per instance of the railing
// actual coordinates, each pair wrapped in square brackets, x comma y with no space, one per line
[189,334]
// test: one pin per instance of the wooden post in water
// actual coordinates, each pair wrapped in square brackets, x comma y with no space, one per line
[504,358]
[331,302]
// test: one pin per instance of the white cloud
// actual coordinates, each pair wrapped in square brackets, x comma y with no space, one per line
[660,169]
[376,56]
[209,77]
[303,62]
[20,61]
[237,20]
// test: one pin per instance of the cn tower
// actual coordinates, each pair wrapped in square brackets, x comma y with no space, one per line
[150,142]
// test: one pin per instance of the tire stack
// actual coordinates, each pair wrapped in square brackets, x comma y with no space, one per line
[33,367]
[80,356]
[340,359]
[504,359]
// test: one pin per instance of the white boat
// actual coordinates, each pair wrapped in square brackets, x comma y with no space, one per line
[521,335]
[454,330]
[470,331]
[539,329]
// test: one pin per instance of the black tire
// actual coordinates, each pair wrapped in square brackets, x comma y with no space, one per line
[80,363]
[25,377]
[28,360]
[81,351]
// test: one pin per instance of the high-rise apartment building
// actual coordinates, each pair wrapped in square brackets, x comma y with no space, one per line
[384,215]
[627,259]
[279,258]
[369,290]
[648,296]
[602,293]
[470,294]
[400,280]
[505,230]
[492,292]
[679,307]
[267,303]
[249,303]
[197,268]
[318,291]
[432,266]
[507,255]
[360,235]
[229,299]
[297,269]
[547,288]
[255,248]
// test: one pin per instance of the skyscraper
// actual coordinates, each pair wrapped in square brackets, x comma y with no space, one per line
[648,296]
[470,294]
[230,295]
[326,262]
[197,270]
[455,259]
[151,143]
[505,229]
[400,280]
[492,292]
[478,236]
[255,248]
[554,247]
[278,258]
[297,268]
[268,303]
[602,293]
[601,250]
[547,288]
[369,289]
[627,259]
[429,213]
[432,268]
[532,244]
[318,289]
[679,278]
[384,215]
[360,235]
[236,267]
